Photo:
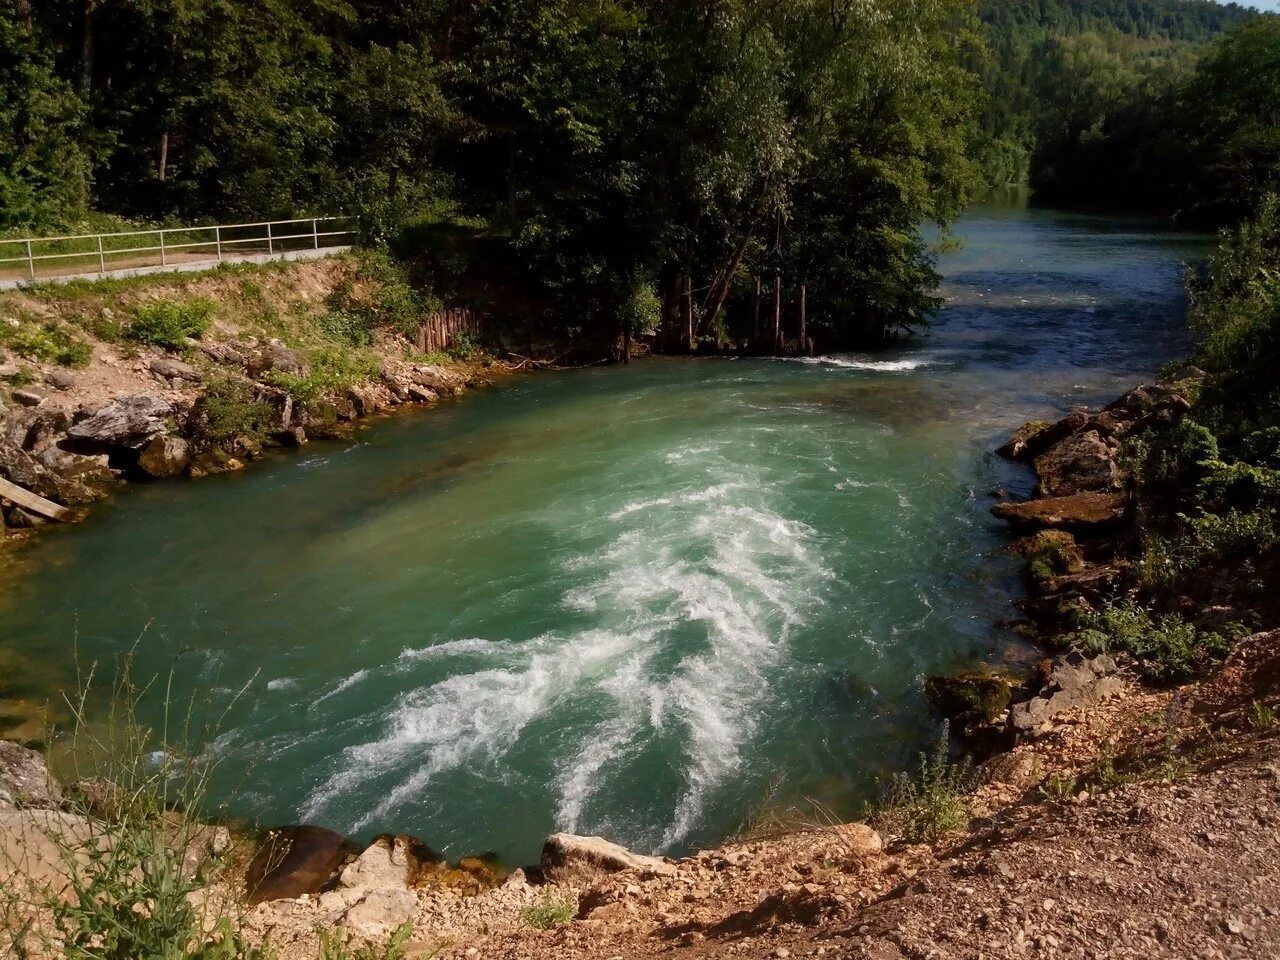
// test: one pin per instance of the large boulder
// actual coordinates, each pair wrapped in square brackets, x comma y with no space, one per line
[33,429]
[165,456]
[380,913]
[1032,439]
[567,858]
[128,422]
[24,779]
[389,863]
[1082,462]
[84,468]
[1081,512]
[18,466]
[292,861]
[974,700]
[170,369]
[276,357]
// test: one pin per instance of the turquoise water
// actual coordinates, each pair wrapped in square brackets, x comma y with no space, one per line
[641,602]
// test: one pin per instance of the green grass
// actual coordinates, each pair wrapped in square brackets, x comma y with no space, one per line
[45,342]
[553,909]
[331,371]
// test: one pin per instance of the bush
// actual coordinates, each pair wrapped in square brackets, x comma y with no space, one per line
[169,323]
[329,373]
[46,343]
[930,805]
[229,409]
[553,910]
[1167,648]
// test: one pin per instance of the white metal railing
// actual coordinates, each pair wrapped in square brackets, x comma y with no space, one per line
[223,240]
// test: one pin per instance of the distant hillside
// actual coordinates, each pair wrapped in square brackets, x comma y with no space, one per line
[1031,40]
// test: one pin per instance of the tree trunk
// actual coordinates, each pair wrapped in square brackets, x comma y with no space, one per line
[86,47]
[755,317]
[671,312]
[777,313]
[512,212]
[164,155]
[24,12]
[626,342]
[687,307]
[804,337]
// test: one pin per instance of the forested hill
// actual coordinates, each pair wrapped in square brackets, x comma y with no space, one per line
[1037,48]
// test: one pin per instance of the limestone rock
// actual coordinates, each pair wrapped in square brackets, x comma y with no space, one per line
[275,356]
[567,858]
[1078,512]
[25,780]
[60,379]
[1076,681]
[128,422]
[380,913]
[165,456]
[88,469]
[18,466]
[221,351]
[171,369]
[389,863]
[295,860]
[1032,439]
[1021,770]
[36,847]
[30,396]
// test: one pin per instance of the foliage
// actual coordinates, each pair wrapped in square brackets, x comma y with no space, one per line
[336,947]
[1262,716]
[553,909]
[170,323]
[329,373]
[47,342]
[379,295]
[1167,648]
[931,804]
[228,409]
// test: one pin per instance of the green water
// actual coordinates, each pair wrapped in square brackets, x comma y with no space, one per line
[640,602]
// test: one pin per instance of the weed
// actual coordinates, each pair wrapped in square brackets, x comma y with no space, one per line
[1262,716]
[334,947]
[46,343]
[330,372]
[128,864]
[1058,787]
[169,323]
[554,909]
[23,378]
[1167,648]
[931,804]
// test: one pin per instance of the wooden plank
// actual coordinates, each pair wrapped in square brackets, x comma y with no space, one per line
[29,501]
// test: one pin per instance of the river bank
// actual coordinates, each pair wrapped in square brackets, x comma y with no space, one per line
[108,383]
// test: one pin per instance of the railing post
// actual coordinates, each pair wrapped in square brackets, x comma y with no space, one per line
[270,243]
[102,260]
[163,262]
[217,238]
[315,233]
[31,261]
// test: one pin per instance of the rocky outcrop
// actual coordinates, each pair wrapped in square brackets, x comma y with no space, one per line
[128,422]
[1076,681]
[572,859]
[1086,513]
[165,456]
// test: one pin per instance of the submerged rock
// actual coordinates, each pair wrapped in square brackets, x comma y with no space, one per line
[572,859]
[975,700]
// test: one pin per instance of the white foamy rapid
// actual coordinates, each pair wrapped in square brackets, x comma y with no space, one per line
[688,607]
[880,366]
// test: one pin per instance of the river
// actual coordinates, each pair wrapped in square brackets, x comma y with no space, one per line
[647,602]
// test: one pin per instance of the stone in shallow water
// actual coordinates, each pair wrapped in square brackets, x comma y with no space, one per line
[295,860]
[1082,511]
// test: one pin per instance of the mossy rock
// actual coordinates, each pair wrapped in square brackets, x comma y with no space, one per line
[973,700]
[1050,554]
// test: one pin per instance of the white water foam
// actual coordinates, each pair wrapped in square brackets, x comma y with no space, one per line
[713,583]
[879,366]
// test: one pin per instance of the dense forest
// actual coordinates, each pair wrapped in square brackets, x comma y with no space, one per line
[619,158]
[628,166]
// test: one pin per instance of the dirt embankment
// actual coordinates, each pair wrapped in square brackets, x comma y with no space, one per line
[194,374]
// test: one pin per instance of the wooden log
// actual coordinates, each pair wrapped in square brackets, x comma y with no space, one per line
[27,500]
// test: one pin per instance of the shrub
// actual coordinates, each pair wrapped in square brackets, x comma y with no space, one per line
[46,343]
[1167,648]
[931,804]
[552,910]
[169,323]
[229,409]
